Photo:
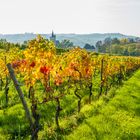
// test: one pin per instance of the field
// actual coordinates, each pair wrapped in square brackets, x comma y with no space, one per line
[115,117]
[46,94]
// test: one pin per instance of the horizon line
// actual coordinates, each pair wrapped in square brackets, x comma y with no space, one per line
[35,33]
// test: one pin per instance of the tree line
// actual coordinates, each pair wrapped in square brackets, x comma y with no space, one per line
[124,46]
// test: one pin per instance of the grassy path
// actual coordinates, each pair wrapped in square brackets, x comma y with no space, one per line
[118,119]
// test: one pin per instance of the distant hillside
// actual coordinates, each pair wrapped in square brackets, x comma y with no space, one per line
[77,39]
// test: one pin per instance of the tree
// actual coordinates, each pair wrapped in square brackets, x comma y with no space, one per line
[107,41]
[124,41]
[131,40]
[24,45]
[115,41]
[88,46]
[66,44]
[98,45]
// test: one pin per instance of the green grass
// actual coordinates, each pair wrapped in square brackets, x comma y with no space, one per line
[117,119]
[112,117]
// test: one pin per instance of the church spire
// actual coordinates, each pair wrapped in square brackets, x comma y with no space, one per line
[53,37]
[52,33]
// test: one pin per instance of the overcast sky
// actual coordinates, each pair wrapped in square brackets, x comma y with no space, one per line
[70,16]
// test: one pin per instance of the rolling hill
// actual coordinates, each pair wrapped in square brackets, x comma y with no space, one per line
[77,39]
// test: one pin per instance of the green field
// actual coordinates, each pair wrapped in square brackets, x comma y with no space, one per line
[112,117]
[115,117]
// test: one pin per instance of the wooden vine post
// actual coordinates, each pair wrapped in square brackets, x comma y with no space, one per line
[101,78]
[20,93]
[6,85]
[90,91]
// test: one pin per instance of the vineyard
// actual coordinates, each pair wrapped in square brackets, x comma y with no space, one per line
[42,91]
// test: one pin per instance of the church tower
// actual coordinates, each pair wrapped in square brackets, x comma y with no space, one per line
[53,38]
